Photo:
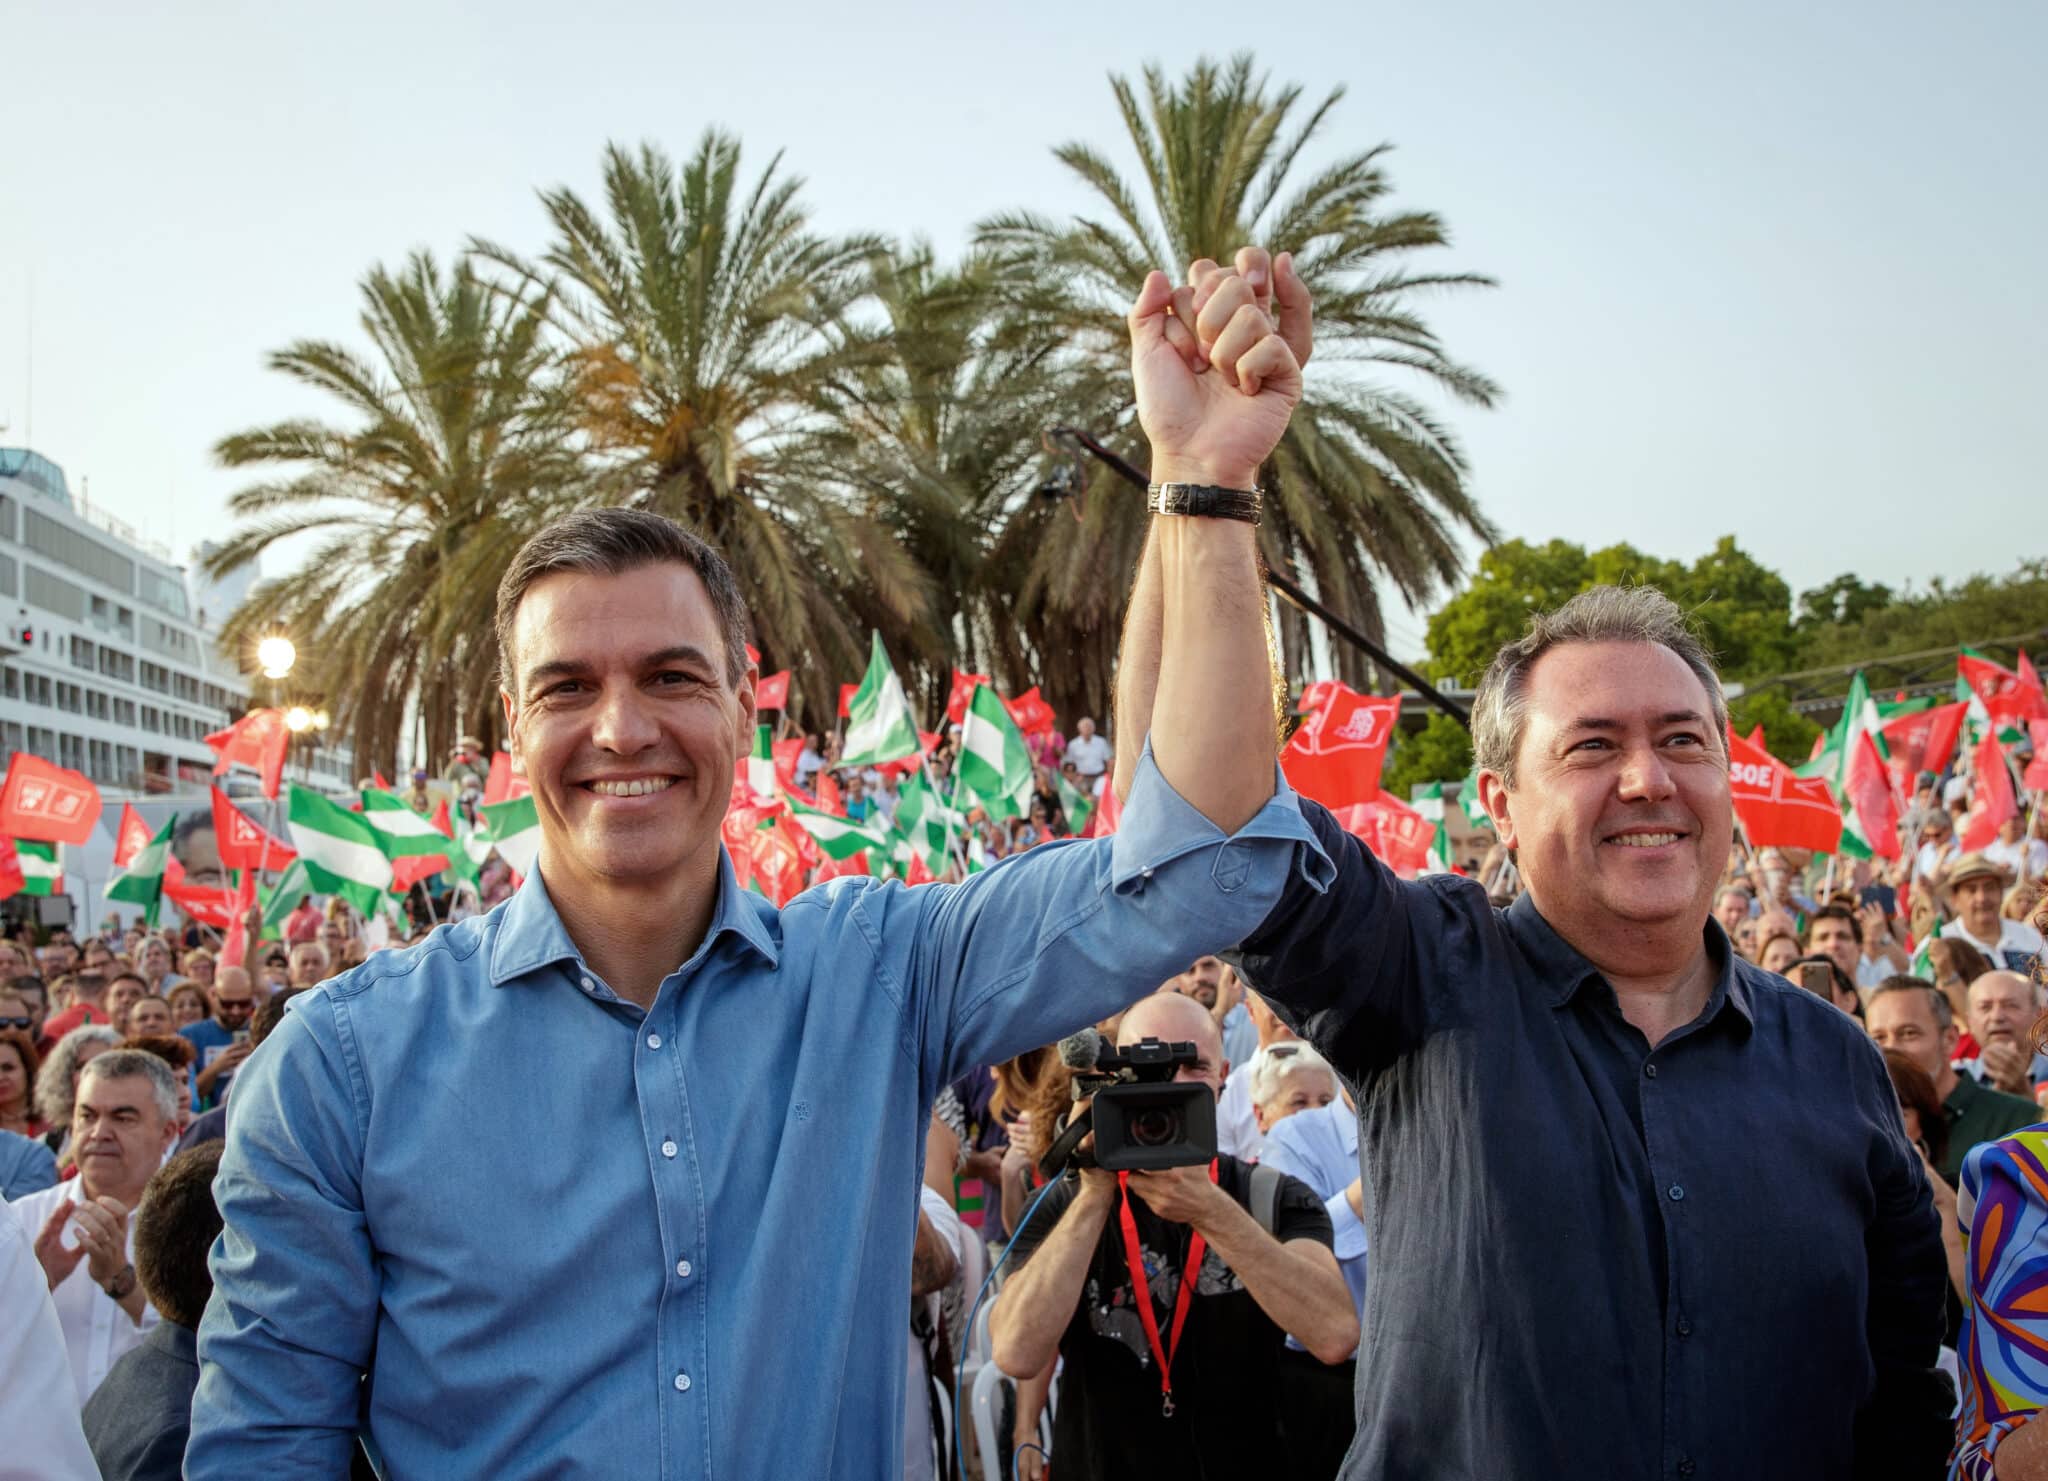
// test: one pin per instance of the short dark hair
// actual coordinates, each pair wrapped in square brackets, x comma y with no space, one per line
[90,985]
[175,1225]
[611,542]
[1834,912]
[271,1014]
[1937,1000]
[125,975]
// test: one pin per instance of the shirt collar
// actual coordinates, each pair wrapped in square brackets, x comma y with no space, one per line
[1564,970]
[532,936]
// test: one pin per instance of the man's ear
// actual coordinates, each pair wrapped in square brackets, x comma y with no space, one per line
[512,732]
[1493,796]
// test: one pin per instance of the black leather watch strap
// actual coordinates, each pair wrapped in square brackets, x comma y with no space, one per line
[1204,501]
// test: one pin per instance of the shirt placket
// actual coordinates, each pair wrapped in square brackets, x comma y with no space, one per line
[1667,1172]
[680,1318]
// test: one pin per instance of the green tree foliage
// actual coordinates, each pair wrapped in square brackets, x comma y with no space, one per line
[1369,483]
[1742,608]
[1441,751]
[456,445]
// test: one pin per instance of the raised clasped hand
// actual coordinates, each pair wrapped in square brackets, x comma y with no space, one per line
[1217,365]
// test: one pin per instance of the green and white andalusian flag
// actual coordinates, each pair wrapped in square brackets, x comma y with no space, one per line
[514,831]
[761,764]
[142,882]
[401,832]
[880,726]
[1846,758]
[1468,799]
[472,848]
[840,838]
[283,898]
[342,853]
[1431,805]
[41,874]
[924,822]
[995,764]
[1079,806]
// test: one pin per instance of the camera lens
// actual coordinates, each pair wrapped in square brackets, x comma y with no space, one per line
[1154,1128]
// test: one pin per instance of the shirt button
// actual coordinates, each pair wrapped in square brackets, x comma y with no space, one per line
[1650,1071]
[1685,1466]
[1675,1192]
[654,1041]
[590,984]
[682,1383]
[668,1149]
[1684,1327]
[683,1269]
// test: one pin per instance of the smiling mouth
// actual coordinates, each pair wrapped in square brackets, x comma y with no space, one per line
[637,787]
[1644,840]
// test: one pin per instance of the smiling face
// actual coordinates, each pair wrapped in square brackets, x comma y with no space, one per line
[624,722]
[1620,815]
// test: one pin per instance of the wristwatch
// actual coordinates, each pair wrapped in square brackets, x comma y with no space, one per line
[122,1284]
[1204,501]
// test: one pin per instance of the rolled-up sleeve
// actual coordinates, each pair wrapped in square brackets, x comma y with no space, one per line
[1067,934]
[289,1331]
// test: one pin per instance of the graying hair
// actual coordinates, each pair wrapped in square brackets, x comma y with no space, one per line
[611,542]
[1274,1068]
[1605,614]
[120,1064]
[57,1076]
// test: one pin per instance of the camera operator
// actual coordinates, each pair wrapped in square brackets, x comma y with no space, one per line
[1191,1390]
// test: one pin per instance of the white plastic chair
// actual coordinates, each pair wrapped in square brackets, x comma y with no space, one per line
[987,1410]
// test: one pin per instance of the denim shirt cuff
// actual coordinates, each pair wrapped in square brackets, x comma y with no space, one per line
[1159,826]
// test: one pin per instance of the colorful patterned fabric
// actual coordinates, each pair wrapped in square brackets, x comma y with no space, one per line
[2003,1360]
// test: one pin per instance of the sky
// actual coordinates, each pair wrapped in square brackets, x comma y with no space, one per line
[1764,269]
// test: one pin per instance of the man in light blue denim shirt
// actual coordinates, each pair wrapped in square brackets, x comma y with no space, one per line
[618,1180]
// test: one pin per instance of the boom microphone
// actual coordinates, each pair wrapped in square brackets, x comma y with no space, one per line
[1080,1051]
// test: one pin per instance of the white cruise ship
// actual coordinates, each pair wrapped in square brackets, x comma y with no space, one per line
[107,661]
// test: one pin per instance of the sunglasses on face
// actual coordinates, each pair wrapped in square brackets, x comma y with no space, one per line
[20,1023]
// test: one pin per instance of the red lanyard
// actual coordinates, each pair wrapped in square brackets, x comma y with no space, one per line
[1141,1289]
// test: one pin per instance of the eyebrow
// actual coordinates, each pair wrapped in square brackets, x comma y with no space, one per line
[1602,723]
[576,668]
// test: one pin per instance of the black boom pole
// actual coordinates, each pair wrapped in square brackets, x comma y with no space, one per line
[1288,589]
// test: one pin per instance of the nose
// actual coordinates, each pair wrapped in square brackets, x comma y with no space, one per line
[1644,776]
[624,723]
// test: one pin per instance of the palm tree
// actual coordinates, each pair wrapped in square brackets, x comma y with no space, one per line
[459,447]
[705,322]
[932,434]
[1368,483]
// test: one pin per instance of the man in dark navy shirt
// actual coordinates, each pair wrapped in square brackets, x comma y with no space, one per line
[1637,1209]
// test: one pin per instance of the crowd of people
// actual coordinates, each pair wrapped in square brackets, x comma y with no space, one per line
[1525,1171]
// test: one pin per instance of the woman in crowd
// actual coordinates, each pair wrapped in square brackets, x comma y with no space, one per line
[1289,1078]
[199,967]
[188,1005]
[1779,953]
[57,1082]
[17,1083]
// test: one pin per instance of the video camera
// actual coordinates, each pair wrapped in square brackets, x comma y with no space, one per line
[1142,1118]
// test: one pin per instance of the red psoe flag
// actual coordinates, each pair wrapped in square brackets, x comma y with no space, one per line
[1869,790]
[1397,834]
[501,785]
[2036,779]
[258,741]
[771,691]
[1335,757]
[131,837]
[242,844]
[1032,714]
[47,802]
[1778,809]
[1991,795]
[846,694]
[963,691]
